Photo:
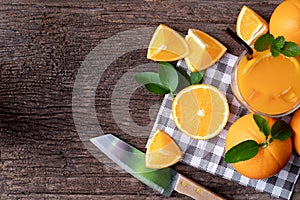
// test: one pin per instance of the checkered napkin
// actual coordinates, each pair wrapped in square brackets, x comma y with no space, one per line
[208,155]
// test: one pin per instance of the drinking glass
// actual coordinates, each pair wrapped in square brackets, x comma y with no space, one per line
[267,85]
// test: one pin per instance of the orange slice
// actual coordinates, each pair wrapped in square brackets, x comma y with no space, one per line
[266,56]
[250,25]
[162,151]
[167,45]
[204,50]
[200,111]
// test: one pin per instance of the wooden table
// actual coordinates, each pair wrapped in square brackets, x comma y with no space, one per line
[43,47]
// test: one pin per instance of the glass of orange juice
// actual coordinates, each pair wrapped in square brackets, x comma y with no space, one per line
[267,85]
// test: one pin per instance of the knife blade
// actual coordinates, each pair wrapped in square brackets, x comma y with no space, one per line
[164,180]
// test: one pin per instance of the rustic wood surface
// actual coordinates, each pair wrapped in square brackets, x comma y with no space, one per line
[42,46]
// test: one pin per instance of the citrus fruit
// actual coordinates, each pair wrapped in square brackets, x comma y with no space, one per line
[267,57]
[167,45]
[285,21]
[162,151]
[200,111]
[204,50]
[295,124]
[269,160]
[250,25]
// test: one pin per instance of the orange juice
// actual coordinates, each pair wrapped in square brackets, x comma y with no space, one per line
[268,85]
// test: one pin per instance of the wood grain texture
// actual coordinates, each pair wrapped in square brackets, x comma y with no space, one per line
[42,46]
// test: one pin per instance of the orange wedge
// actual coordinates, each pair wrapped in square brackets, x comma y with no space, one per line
[204,50]
[162,151]
[250,25]
[167,45]
[200,111]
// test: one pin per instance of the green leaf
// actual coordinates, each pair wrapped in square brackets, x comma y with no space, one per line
[147,77]
[277,46]
[196,77]
[275,52]
[168,75]
[290,49]
[182,83]
[157,88]
[281,130]
[183,73]
[279,42]
[264,42]
[242,151]
[262,124]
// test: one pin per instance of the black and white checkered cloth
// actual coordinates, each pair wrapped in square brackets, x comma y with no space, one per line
[208,155]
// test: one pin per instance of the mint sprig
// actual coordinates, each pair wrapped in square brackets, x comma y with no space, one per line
[290,49]
[249,148]
[264,42]
[276,45]
[169,79]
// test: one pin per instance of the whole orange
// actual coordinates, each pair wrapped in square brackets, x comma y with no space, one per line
[269,160]
[285,21]
[295,124]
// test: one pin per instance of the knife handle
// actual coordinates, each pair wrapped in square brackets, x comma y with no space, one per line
[194,190]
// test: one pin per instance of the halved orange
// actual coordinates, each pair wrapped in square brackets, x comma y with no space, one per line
[200,111]
[250,25]
[204,50]
[167,45]
[162,151]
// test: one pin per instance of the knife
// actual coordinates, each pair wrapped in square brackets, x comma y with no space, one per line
[164,180]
